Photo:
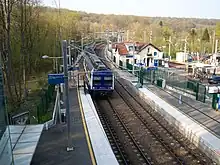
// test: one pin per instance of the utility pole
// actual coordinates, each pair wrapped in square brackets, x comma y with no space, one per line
[144,36]
[133,59]
[213,43]
[64,52]
[82,41]
[127,35]
[69,53]
[185,58]
[185,50]
[169,46]
[216,46]
[151,36]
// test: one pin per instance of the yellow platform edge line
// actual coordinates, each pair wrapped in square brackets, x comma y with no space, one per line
[86,130]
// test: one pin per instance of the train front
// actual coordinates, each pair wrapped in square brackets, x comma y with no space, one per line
[102,82]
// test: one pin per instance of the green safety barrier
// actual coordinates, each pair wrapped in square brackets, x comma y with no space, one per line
[174,80]
[47,97]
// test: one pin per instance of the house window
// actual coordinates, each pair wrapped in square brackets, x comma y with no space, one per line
[130,48]
[155,53]
[156,63]
[148,50]
[114,59]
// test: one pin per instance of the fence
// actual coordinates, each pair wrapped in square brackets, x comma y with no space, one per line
[178,82]
[56,112]
[36,108]
[44,107]
[174,80]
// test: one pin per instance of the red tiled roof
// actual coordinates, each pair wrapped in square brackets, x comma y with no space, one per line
[121,49]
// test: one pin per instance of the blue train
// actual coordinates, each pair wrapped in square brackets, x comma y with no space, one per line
[99,79]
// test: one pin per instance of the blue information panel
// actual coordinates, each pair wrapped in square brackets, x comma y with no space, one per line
[218,95]
[129,56]
[55,79]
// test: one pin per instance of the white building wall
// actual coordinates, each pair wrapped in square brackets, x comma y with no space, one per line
[181,57]
[150,50]
[117,58]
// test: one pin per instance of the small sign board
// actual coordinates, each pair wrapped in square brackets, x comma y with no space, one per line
[129,56]
[139,64]
[218,101]
[55,79]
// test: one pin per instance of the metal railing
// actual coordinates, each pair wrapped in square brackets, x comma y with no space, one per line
[56,112]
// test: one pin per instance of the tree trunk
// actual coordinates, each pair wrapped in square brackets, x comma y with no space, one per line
[10,72]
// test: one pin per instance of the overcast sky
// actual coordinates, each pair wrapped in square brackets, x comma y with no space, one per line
[164,8]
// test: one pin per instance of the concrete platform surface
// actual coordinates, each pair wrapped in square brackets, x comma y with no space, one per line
[51,149]
[198,111]
[24,139]
[103,152]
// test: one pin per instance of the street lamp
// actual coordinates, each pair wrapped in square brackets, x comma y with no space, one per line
[55,59]
[45,56]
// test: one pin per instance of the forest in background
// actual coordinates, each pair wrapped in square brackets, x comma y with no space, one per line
[199,33]
[29,30]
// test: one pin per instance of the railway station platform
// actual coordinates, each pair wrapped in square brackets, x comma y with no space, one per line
[51,149]
[195,120]
[90,143]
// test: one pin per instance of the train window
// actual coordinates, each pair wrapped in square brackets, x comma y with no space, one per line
[107,78]
[97,78]
[96,82]
[108,82]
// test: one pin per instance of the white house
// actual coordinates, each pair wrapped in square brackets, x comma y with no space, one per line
[133,53]
[150,55]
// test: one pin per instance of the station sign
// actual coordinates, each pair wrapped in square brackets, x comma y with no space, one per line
[55,79]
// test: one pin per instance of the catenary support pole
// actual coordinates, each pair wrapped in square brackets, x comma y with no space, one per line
[64,52]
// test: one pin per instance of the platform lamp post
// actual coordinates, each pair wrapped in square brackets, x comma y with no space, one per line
[55,58]
[64,52]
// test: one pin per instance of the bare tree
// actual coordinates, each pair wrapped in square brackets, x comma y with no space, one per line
[6,7]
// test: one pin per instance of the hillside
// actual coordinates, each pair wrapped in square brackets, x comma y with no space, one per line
[199,32]
[122,21]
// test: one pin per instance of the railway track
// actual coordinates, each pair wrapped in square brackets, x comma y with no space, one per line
[171,142]
[113,139]
[133,149]
[161,143]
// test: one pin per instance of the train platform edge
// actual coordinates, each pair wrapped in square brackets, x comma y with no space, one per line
[100,145]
